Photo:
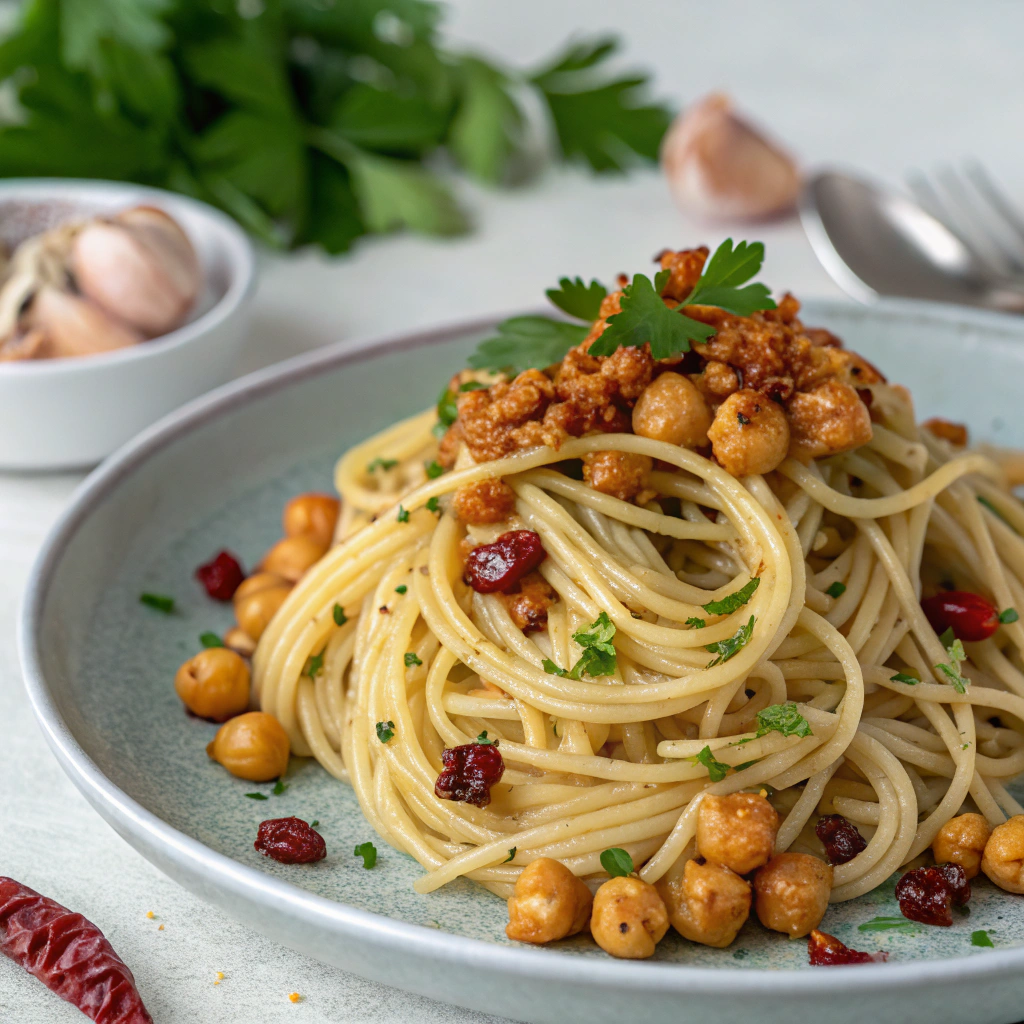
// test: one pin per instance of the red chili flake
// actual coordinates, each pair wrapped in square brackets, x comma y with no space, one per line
[499,566]
[927,894]
[824,950]
[840,838]
[221,577]
[469,772]
[969,615]
[290,841]
[69,955]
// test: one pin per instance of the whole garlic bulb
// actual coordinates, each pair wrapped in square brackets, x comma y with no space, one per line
[74,326]
[140,267]
[719,167]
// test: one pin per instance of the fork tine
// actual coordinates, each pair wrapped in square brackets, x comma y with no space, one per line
[997,198]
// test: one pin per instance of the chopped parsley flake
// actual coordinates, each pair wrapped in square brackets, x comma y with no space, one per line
[725,649]
[210,640]
[160,602]
[401,589]
[340,618]
[280,787]
[982,938]
[447,410]
[733,602]
[1008,615]
[837,589]
[379,463]
[694,623]
[412,658]
[314,823]
[433,504]
[552,669]
[511,856]
[784,718]
[617,862]
[369,854]
[403,514]
[743,420]
[472,385]
[315,665]
[434,469]
[955,652]
[904,677]
[745,765]
[385,730]
[484,741]
[257,796]
[717,770]
[886,924]
[598,657]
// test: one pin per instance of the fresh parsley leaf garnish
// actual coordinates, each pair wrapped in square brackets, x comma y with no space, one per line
[725,649]
[472,385]
[552,669]
[315,664]
[982,938]
[280,787]
[695,623]
[434,469]
[433,504]
[447,409]
[956,654]
[411,659]
[617,862]
[886,924]
[210,640]
[717,770]
[385,730]
[1008,615]
[525,342]
[904,677]
[369,854]
[728,269]
[579,300]
[401,589]
[784,718]
[314,823]
[340,618]
[160,602]
[257,796]
[836,589]
[598,657]
[733,602]
[381,463]
[403,514]
[745,765]
[946,637]
[484,741]
[511,856]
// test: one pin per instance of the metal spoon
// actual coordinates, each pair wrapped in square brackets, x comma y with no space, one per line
[874,241]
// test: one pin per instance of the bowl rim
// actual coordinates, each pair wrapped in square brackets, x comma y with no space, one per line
[233,240]
[385,934]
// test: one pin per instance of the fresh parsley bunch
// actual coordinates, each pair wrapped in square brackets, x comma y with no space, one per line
[309,121]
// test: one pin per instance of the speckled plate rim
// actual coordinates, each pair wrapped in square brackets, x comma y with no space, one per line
[214,872]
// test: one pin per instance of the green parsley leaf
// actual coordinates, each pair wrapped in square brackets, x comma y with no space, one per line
[982,938]
[526,342]
[903,677]
[717,770]
[617,862]
[552,669]
[579,300]
[484,741]
[472,385]
[369,854]
[1008,615]
[733,602]
[403,514]
[447,410]
[434,469]
[380,463]
[315,664]
[598,657]
[210,640]
[836,589]
[695,623]
[992,508]
[886,924]
[947,637]
[401,589]
[784,718]
[280,787]
[158,601]
[412,658]
[433,504]
[385,730]
[340,618]
[957,655]
[728,268]
[511,855]
[745,765]
[314,823]
[725,649]
[257,796]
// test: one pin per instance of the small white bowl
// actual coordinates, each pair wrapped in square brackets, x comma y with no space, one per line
[71,413]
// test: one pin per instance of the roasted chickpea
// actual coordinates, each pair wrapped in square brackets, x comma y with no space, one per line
[962,841]
[292,557]
[549,903]
[750,434]
[737,830]
[486,501]
[214,684]
[629,918]
[708,903]
[257,600]
[253,746]
[792,892]
[671,409]
[238,640]
[1003,860]
[827,420]
[312,515]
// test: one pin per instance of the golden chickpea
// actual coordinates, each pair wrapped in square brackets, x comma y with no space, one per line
[312,515]
[708,903]
[292,557]
[253,746]
[549,903]
[750,434]
[737,830]
[238,640]
[214,684]
[962,841]
[671,409]
[792,892]
[1003,860]
[629,918]
[257,601]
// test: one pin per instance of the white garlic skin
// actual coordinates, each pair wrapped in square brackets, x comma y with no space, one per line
[720,168]
[140,267]
[73,326]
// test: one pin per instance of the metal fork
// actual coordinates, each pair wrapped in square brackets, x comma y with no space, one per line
[977,211]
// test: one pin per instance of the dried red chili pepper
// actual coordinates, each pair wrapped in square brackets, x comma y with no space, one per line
[824,950]
[69,955]
[222,576]
[969,615]
[840,838]
[928,894]
[495,567]
[469,772]
[290,841]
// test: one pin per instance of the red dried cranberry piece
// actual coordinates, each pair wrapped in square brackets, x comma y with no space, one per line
[925,895]
[824,950]
[221,577]
[840,838]
[956,879]
[469,772]
[491,568]
[969,615]
[290,841]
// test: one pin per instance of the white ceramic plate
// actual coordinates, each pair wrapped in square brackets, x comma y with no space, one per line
[99,668]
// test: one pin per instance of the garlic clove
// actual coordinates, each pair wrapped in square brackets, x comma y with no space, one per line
[76,327]
[140,267]
[33,344]
[719,167]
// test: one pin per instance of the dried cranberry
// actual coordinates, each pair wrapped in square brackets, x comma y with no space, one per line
[969,615]
[469,772]
[840,838]
[824,950]
[221,577]
[927,894]
[499,566]
[290,841]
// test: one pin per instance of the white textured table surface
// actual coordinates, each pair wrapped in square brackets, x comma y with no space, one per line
[882,85]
